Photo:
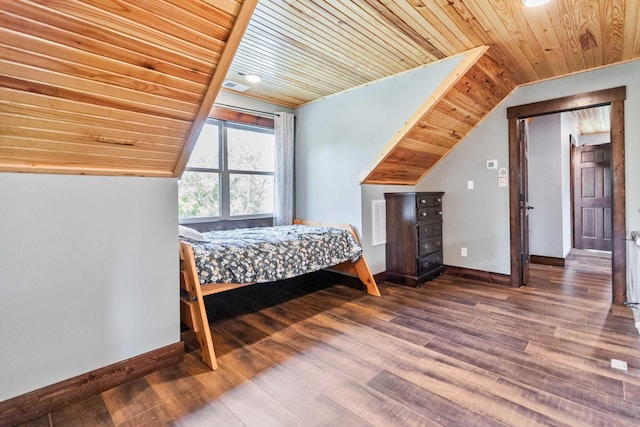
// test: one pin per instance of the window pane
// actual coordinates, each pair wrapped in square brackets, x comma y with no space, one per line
[251,194]
[205,152]
[249,150]
[199,194]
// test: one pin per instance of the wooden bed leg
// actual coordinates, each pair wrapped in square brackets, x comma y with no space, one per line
[195,306]
[364,274]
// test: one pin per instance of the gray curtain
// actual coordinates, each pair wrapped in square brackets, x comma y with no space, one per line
[284,136]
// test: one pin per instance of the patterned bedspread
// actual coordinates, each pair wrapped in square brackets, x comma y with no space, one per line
[267,254]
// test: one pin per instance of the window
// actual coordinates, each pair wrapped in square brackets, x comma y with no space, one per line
[230,173]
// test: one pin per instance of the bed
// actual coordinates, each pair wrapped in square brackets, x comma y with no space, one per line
[220,261]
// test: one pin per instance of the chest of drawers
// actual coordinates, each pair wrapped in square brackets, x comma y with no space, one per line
[414,237]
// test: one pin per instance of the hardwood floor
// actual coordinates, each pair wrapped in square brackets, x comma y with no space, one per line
[455,352]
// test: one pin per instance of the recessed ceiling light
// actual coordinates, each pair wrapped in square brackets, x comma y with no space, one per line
[534,3]
[253,78]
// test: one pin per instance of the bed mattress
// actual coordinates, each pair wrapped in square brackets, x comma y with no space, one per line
[268,254]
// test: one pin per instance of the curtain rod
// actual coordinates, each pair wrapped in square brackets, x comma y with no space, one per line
[247,110]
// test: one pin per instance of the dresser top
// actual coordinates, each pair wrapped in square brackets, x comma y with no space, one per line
[415,193]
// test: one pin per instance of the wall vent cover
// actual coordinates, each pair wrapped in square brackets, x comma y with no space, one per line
[378,222]
[228,84]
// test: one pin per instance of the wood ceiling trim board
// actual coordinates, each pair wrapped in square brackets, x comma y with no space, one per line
[91,74]
[230,7]
[29,103]
[7,165]
[83,58]
[149,36]
[192,71]
[64,142]
[37,156]
[55,86]
[235,36]
[470,58]
[151,141]
[219,11]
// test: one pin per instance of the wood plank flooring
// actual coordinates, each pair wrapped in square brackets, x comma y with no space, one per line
[456,352]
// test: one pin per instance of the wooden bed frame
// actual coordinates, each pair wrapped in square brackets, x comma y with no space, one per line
[192,309]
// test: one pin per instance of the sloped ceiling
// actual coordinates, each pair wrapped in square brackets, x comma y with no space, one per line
[111,87]
[469,93]
[308,49]
[122,87]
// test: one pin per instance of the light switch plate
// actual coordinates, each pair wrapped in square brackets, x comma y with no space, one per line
[469,185]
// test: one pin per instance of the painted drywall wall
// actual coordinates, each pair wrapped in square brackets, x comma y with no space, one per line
[479,219]
[339,136]
[549,186]
[88,274]
[595,139]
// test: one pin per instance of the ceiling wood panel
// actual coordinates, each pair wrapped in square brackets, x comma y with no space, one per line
[471,91]
[137,78]
[110,87]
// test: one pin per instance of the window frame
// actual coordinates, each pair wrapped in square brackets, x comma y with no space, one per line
[224,172]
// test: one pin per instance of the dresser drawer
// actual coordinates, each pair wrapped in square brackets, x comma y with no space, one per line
[429,229]
[429,245]
[424,200]
[429,262]
[425,213]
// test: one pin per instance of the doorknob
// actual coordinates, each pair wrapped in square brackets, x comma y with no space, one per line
[530,207]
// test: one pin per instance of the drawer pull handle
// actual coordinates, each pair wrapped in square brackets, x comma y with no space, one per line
[439,199]
[439,212]
[437,242]
[423,201]
[423,214]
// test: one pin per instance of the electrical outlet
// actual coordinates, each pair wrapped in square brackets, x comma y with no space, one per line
[470,185]
[463,251]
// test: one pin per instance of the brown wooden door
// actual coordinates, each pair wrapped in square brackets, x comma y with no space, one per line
[523,183]
[592,197]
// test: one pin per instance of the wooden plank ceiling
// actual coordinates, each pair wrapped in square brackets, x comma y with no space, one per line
[123,86]
[111,87]
[305,50]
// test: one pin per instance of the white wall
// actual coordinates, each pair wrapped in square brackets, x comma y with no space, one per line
[595,139]
[479,218]
[339,136]
[88,274]
[550,186]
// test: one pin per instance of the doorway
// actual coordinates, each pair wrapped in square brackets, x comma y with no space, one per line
[517,188]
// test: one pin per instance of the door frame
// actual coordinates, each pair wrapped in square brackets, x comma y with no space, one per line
[615,97]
